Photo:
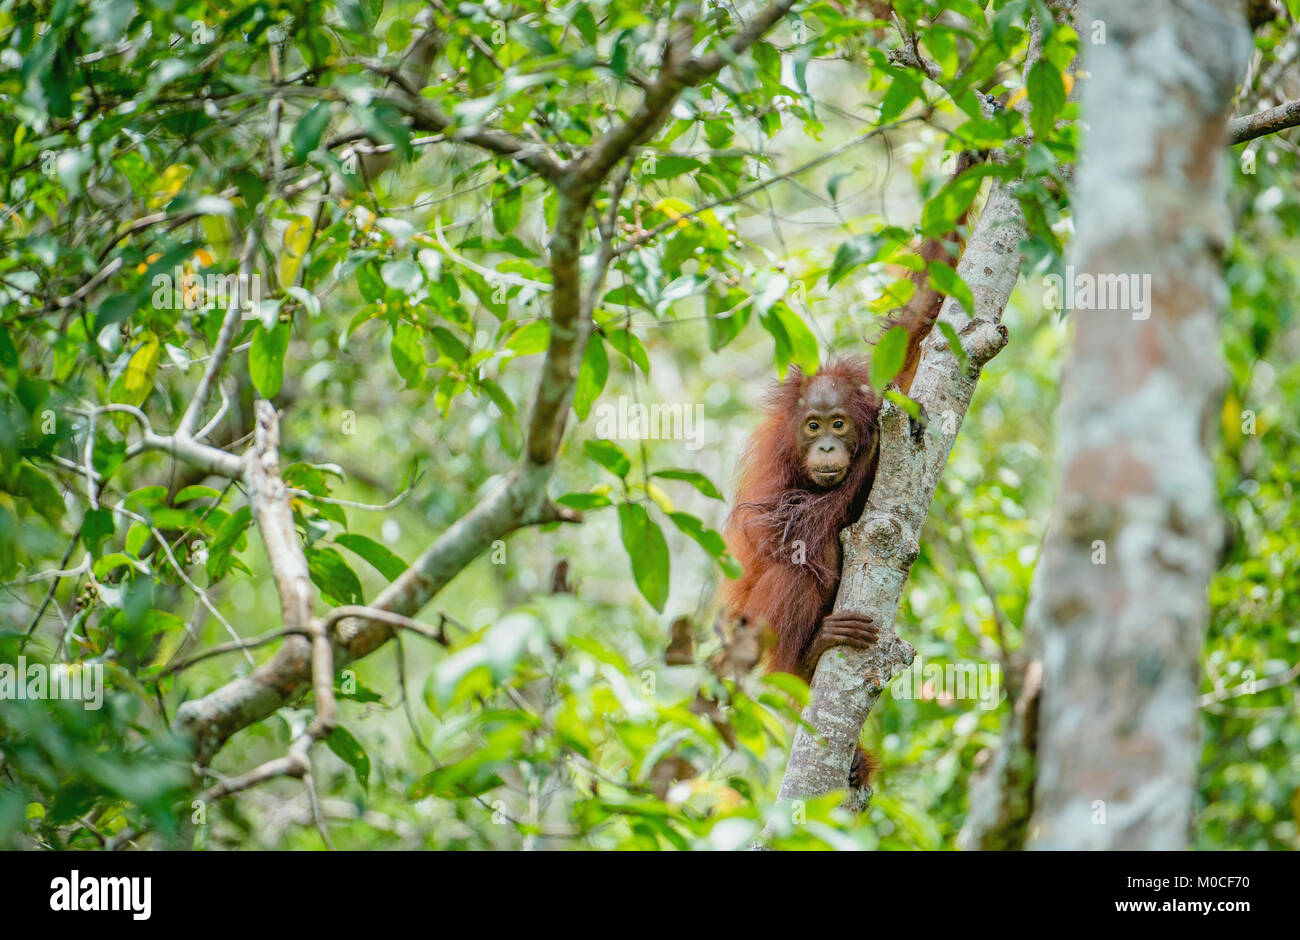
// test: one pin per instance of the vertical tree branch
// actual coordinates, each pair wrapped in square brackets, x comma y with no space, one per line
[225,338]
[269,499]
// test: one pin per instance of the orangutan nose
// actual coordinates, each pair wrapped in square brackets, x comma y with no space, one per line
[827,448]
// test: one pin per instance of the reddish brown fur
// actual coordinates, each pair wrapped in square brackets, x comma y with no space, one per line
[776,507]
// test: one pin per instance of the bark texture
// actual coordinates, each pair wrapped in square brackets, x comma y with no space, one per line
[1121,606]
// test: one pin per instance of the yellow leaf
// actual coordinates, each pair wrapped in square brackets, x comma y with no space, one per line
[672,207]
[297,236]
[137,380]
[1231,418]
[662,499]
[216,232]
[289,269]
[170,183]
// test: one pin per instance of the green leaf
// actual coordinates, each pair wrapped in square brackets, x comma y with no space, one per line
[403,275]
[904,402]
[903,90]
[695,479]
[780,341]
[507,207]
[359,693]
[648,552]
[860,249]
[941,212]
[591,376]
[833,184]
[954,342]
[114,309]
[266,358]
[888,357]
[489,294]
[136,538]
[727,317]
[377,555]
[630,346]
[370,284]
[585,22]
[530,338]
[385,124]
[709,540]
[224,541]
[803,345]
[338,583]
[772,288]
[231,529]
[40,491]
[1047,97]
[107,20]
[449,344]
[96,525]
[157,622]
[350,751]
[398,36]
[671,166]
[109,562]
[609,455]
[407,350]
[947,282]
[1011,15]
[196,491]
[308,131]
[584,501]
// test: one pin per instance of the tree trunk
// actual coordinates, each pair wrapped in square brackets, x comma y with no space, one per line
[1131,547]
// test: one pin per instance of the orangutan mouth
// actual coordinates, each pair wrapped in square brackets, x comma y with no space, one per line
[828,478]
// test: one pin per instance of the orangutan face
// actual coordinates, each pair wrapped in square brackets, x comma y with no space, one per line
[828,437]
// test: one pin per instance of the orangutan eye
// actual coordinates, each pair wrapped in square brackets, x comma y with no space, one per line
[813,426]
[838,425]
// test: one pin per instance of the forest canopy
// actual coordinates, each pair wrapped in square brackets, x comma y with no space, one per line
[373,375]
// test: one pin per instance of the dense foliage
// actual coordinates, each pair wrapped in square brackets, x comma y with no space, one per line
[348,155]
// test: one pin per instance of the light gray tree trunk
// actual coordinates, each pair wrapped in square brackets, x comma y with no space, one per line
[1122,606]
